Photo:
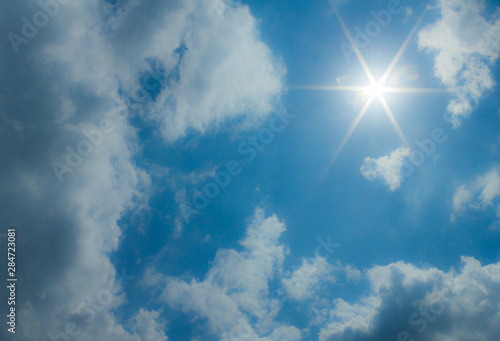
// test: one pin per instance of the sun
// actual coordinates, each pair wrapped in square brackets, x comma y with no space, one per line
[376,90]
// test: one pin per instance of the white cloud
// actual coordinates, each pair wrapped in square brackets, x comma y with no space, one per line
[387,168]
[462,197]
[301,284]
[480,194]
[148,326]
[235,290]
[490,186]
[217,72]
[352,273]
[467,44]
[204,76]
[357,316]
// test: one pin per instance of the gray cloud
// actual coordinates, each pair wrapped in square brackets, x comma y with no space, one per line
[411,303]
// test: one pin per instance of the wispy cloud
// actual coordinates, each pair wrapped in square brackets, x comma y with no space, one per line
[303,282]
[480,194]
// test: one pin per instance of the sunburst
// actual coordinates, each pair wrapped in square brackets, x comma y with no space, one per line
[375,90]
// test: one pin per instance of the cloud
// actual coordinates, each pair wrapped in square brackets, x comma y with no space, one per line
[66,229]
[352,273]
[462,197]
[350,317]
[406,302]
[387,168]
[148,326]
[490,186]
[408,11]
[303,282]
[467,45]
[480,194]
[92,57]
[401,301]
[209,74]
[234,295]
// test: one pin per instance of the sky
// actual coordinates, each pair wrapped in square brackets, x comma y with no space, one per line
[250,170]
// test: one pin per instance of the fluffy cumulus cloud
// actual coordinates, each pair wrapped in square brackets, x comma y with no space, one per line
[234,297]
[410,303]
[467,41]
[386,168]
[69,173]
[483,193]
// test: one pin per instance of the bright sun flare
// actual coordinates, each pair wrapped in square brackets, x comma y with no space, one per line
[376,90]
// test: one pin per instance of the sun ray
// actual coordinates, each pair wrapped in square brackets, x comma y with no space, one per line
[414,90]
[355,48]
[402,49]
[330,87]
[361,113]
[375,90]
[393,120]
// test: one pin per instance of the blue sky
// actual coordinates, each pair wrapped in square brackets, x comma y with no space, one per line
[254,170]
